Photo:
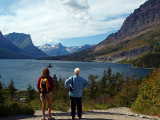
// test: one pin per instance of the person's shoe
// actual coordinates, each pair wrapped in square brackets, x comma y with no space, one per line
[51,118]
[73,118]
[81,118]
[43,118]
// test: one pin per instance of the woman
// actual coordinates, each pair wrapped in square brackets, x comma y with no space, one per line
[47,96]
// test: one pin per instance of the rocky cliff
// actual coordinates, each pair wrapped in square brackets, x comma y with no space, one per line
[9,50]
[24,42]
[143,19]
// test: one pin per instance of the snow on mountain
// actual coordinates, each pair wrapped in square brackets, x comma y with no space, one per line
[59,49]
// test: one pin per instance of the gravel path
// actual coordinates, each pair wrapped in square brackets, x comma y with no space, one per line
[121,113]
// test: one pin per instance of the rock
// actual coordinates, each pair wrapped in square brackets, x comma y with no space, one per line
[138,21]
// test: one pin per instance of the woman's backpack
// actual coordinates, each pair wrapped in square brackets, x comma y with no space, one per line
[44,86]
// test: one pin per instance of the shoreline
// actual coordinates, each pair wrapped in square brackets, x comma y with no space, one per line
[76,61]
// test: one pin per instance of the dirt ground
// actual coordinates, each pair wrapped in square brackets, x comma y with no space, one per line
[121,113]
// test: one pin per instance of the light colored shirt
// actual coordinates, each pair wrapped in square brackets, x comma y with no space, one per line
[78,84]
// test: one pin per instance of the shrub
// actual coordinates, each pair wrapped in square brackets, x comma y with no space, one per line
[31,93]
[92,87]
[127,95]
[148,100]
[14,108]
[61,105]
[11,89]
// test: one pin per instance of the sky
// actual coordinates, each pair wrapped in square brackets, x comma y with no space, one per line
[71,22]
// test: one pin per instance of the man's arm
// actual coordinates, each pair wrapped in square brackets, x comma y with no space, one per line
[85,83]
[68,82]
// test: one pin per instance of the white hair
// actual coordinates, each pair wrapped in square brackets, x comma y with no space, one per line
[77,71]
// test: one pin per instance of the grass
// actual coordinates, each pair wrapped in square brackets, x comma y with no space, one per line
[58,105]
[94,106]
[152,110]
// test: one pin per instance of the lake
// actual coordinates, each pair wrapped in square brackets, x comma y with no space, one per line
[27,71]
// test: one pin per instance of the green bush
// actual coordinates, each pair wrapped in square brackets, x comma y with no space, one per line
[31,94]
[14,108]
[148,100]
[127,95]
[11,89]
[36,104]
[61,105]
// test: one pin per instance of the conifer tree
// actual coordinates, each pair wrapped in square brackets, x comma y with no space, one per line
[30,93]
[11,89]
[56,83]
[63,91]
[109,71]
[111,83]
[92,87]
[1,94]
[119,81]
[1,87]
[102,84]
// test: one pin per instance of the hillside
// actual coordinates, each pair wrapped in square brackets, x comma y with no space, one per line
[138,36]
[24,42]
[10,51]
[131,40]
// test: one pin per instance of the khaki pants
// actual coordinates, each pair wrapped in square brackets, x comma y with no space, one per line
[48,96]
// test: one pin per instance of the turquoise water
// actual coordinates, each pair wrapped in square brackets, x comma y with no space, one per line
[25,72]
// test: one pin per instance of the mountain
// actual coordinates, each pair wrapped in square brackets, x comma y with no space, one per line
[138,36]
[10,51]
[130,41]
[24,42]
[54,50]
[59,49]
[83,47]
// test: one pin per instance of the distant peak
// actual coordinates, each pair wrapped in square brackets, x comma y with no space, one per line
[1,33]
[47,44]
[19,34]
[59,43]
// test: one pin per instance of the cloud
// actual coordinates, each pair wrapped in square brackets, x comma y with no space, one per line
[78,8]
[76,4]
[54,20]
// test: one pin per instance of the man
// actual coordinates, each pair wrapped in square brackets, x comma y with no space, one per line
[76,83]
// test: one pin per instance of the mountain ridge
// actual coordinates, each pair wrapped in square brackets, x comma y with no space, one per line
[24,42]
[10,51]
[141,18]
[59,49]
